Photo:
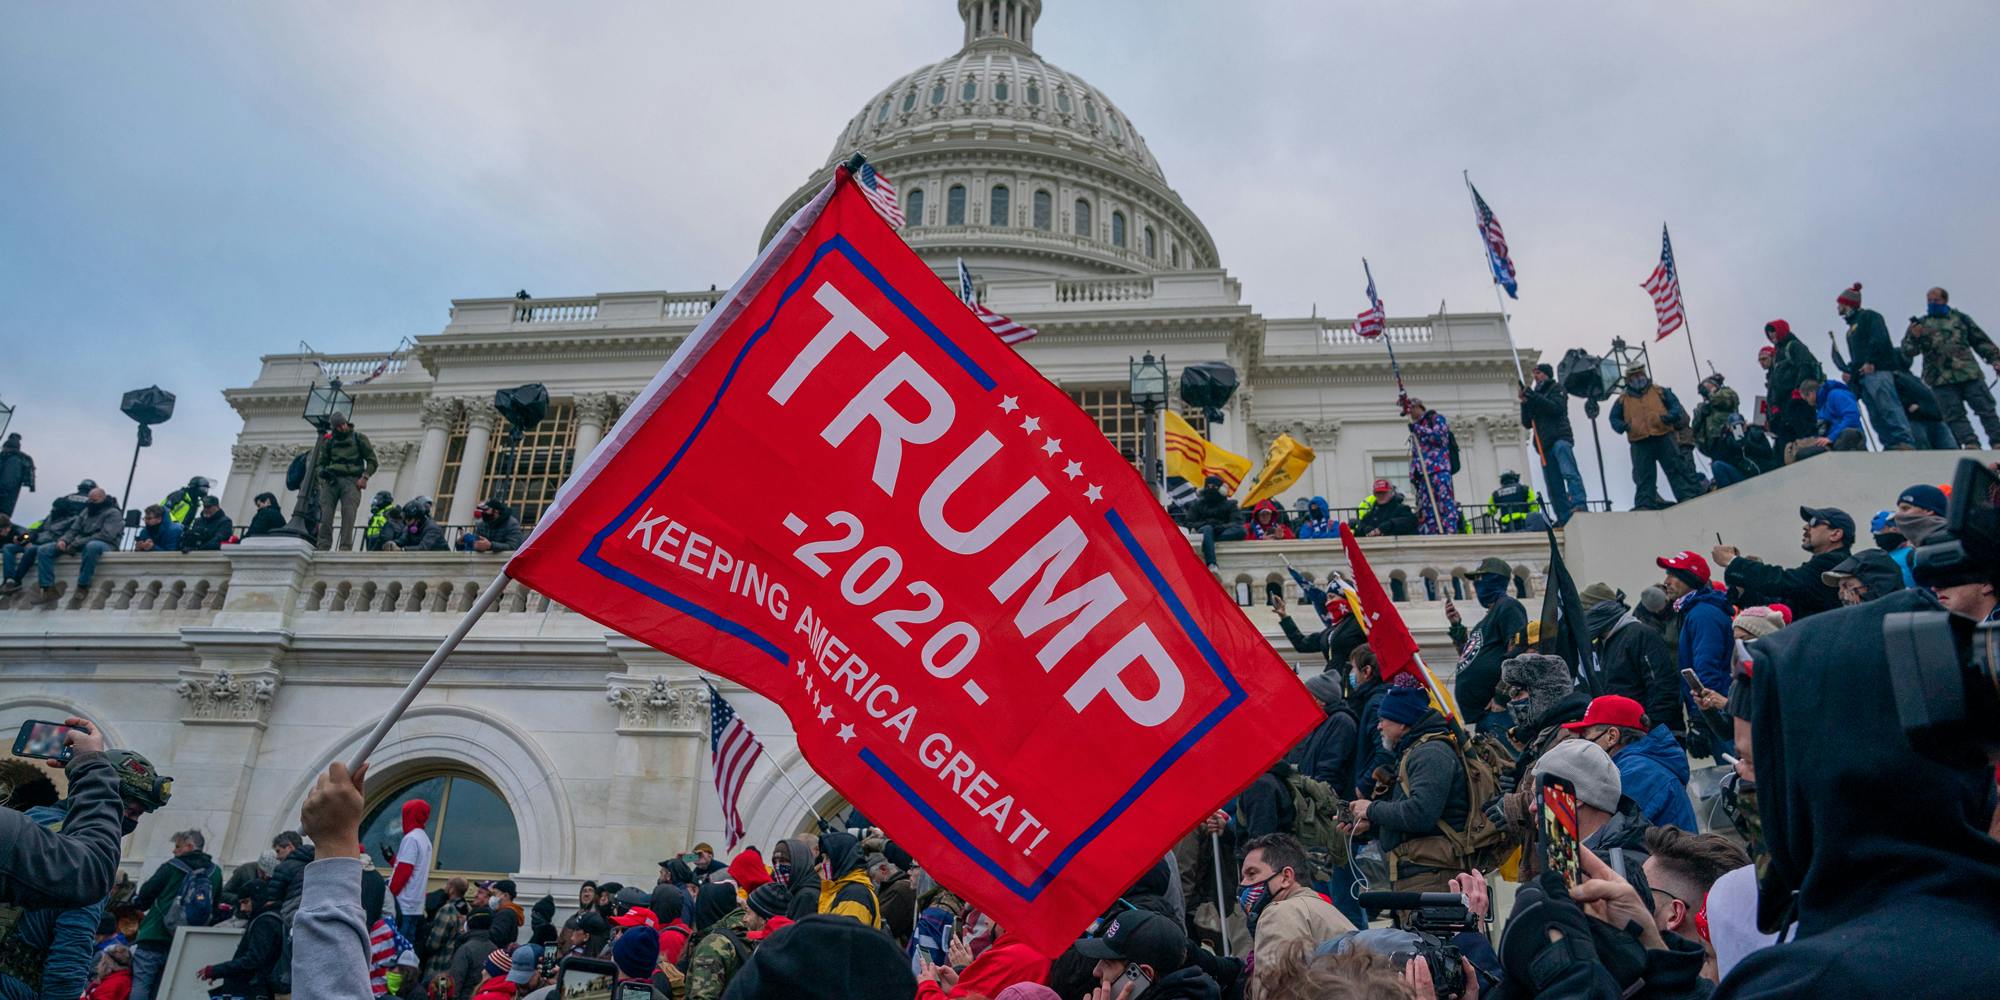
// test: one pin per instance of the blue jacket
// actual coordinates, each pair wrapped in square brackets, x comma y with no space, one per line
[1317,524]
[1654,774]
[1707,640]
[1903,557]
[66,938]
[1838,412]
[165,536]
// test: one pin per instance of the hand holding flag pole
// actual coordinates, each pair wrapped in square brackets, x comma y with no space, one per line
[1372,324]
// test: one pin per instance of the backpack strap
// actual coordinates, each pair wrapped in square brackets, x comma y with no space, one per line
[1454,837]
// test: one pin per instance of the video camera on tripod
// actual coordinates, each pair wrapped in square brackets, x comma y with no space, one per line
[1944,669]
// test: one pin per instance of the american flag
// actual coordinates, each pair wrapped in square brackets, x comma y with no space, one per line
[1006,329]
[1496,245]
[880,193]
[735,751]
[1369,324]
[1664,285]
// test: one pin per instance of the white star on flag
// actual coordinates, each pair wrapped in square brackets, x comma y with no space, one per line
[826,713]
[1009,404]
[1051,446]
[1094,493]
[846,732]
[1031,424]
[1072,470]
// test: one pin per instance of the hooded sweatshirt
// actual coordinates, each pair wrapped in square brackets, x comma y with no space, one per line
[1838,412]
[802,882]
[1887,850]
[1654,774]
[845,889]
[1267,522]
[747,870]
[413,858]
[1318,524]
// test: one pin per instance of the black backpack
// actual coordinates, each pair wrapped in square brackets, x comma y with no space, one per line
[1451,444]
[295,475]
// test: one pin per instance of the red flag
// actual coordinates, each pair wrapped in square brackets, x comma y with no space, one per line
[1395,648]
[846,494]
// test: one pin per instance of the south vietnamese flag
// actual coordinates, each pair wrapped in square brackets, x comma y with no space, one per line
[845,494]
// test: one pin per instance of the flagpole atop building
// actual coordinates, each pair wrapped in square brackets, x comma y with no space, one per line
[1686,327]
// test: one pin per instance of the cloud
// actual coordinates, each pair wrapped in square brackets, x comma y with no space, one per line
[192,191]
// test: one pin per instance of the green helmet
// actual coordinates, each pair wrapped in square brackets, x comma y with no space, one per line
[139,781]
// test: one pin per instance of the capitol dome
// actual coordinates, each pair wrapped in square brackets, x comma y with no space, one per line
[1016,165]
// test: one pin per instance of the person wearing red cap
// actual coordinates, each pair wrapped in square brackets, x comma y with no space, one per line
[1652,768]
[1872,363]
[1791,363]
[1385,512]
[413,868]
[1707,641]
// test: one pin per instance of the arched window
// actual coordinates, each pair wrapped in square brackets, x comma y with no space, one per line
[999,200]
[1118,229]
[1152,244]
[1117,130]
[472,830]
[1033,92]
[913,207]
[1045,210]
[882,115]
[1082,217]
[954,206]
[1000,89]
[937,93]
[1090,110]
[971,89]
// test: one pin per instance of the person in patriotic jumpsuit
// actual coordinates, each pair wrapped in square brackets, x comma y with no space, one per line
[1430,470]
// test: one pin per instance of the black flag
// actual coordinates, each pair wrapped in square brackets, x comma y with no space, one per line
[1562,630]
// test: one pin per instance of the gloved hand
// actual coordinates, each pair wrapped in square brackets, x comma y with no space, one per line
[1495,811]
[1508,782]
[1547,946]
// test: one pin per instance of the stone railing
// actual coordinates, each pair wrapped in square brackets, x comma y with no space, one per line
[351,366]
[170,587]
[1417,570]
[1103,289]
[1401,331]
[619,309]
[555,310]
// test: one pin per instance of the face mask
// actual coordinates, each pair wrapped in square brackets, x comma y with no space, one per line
[781,870]
[1639,384]
[1938,309]
[1491,588]
[1888,541]
[1840,311]
[1253,897]
[493,903]
[1917,527]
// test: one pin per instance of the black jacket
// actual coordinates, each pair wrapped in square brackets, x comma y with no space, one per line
[1911,391]
[1391,517]
[1499,635]
[422,535]
[1327,753]
[1547,410]
[1638,664]
[248,972]
[17,470]
[803,883]
[1213,510]
[1334,643]
[290,879]
[505,536]
[1266,806]
[1437,788]
[1189,983]
[207,534]
[265,521]
[1868,343]
[75,867]
[1887,850]
[1800,588]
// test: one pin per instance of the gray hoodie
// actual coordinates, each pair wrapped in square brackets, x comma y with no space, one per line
[329,934]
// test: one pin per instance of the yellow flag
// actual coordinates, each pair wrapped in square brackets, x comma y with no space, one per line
[1287,462]
[1191,457]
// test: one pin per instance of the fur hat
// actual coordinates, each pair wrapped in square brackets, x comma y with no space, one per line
[1545,679]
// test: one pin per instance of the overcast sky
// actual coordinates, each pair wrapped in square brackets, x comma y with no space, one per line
[184,190]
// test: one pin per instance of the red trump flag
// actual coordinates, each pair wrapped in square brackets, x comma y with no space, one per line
[845,494]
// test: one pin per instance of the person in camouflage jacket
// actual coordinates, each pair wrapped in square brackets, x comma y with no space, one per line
[1951,345]
[1712,435]
[723,947]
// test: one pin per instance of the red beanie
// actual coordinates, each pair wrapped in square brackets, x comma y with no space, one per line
[416,813]
[748,870]
[1851,298]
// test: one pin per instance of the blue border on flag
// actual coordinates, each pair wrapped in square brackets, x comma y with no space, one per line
[592,558]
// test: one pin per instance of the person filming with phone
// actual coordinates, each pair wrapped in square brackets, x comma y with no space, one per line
[73,867]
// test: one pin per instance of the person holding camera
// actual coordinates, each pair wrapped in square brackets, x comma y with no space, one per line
[1828,538]
[344,461]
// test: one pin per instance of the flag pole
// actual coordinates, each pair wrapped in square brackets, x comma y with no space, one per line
[800,792]
[1686,327]
[472,615]
[1402,396]
[1221,898]
[1513,350]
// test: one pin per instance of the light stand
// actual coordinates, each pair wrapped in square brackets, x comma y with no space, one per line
[523,406]
[1148,389]
[322,405]
[149,406]
[1594,380]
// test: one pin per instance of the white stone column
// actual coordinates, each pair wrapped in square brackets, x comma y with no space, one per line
[480,416]
[237,490]
[421,477]
[593,414]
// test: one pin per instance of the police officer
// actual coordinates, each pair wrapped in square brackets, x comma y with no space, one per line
[378,513]
[1948,340]
[184,505]
[1510,505]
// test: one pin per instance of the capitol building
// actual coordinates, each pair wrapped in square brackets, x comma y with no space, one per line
[555,751]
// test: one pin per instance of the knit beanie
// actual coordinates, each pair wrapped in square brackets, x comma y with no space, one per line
[1405,705]
[1850,297]
[1759,622]
[499,961]
[1586,766]
[1653,599]
[769,900]
[636,952]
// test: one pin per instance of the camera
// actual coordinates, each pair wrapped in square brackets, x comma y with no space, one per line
[1946,675]
[1429,920]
